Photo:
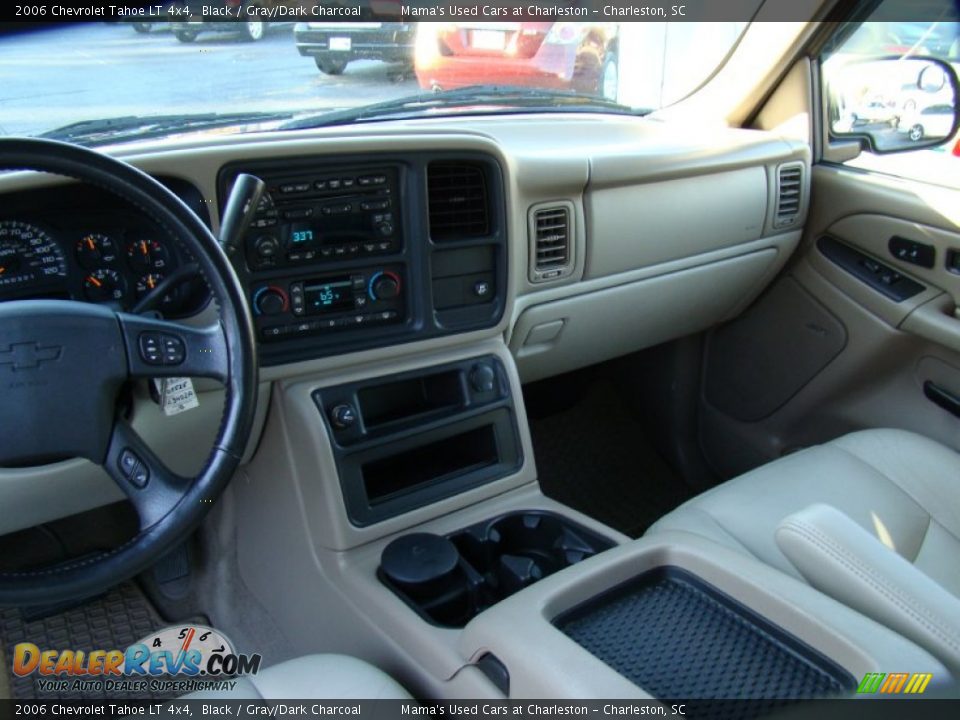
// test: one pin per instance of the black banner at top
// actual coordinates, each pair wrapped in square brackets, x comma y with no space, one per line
[457,10]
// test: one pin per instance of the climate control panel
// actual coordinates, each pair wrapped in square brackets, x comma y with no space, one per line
[352,300]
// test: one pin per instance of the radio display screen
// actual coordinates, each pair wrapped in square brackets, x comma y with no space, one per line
[330,295]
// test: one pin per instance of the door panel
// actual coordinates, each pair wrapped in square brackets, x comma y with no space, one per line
[891,348]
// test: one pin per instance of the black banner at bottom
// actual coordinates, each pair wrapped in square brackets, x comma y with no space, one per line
[862,709]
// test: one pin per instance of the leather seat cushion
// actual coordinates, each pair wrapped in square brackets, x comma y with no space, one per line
[901,487]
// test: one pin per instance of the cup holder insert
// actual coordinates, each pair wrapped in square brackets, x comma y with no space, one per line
[448,580]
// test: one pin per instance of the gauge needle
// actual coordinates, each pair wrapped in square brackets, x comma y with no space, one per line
[95,281]
[2,269]
[151,283]
[90,244]
[143,246]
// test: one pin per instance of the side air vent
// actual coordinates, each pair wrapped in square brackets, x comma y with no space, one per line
[551,241]
[789,195]
[458,201]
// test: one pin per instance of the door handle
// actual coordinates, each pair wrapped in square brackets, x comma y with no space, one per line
[942,398]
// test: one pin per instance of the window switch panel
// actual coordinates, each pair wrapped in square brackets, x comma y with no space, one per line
[913,252]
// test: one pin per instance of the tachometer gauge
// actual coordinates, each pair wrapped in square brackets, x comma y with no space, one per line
[104,285]
[28,256]
[147,255]
[96,249]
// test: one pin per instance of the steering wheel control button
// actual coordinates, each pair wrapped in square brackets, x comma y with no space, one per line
[128,462]
[133,469]
[150,350]
[343,416]
[174,351]
[162,349]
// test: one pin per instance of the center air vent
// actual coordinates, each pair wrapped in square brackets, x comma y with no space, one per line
[789,195]
[458,201]
[551,241]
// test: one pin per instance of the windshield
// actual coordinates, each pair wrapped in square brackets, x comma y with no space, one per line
[171,73]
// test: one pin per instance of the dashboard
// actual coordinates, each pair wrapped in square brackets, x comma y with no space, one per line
[80,243]
[376,241]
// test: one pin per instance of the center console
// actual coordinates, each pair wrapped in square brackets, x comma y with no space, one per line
[351,254]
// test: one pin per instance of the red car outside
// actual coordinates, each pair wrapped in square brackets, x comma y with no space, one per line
[581,57]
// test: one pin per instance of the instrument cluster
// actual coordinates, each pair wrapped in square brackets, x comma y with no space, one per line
[112,260]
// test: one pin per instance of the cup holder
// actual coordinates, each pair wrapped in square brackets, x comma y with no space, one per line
[448,580]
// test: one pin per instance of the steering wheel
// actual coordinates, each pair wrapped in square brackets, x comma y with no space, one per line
[63,363]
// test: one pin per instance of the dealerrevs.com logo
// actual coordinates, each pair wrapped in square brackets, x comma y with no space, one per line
[188,657]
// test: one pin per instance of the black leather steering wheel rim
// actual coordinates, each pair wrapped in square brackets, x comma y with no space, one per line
[235,350]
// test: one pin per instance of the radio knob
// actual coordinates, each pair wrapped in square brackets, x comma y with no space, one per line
[386,286]
[266,246]
[270,301]
[385,229]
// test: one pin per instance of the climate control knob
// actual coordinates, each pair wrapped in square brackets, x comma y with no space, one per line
[384,286]
[270,301]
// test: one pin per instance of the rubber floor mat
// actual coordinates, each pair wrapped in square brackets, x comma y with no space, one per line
[114,620]
[595,458]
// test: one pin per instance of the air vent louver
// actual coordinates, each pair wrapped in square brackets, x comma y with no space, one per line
[789,195]
[551,242]
[458,201]
[552,238]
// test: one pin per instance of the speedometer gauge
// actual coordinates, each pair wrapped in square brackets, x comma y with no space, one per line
[28,256]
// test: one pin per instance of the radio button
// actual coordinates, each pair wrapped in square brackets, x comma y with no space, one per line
[340,250]
[353,248]
[358,282]
[326,251]
[266,246]
[385,229]
[384,246]
[369,247]
[320,184]
[297,214]
[333,184]
[348,182]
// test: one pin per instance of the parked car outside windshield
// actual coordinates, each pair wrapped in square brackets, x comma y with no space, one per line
[212,76]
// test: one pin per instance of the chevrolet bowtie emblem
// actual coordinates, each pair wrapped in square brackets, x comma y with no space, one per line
[28,355]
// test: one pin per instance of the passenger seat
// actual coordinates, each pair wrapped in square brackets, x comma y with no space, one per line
[871,519]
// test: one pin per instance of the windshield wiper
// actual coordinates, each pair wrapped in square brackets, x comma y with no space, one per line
[502,97]
[109,130]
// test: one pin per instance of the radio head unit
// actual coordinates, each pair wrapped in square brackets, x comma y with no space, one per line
[316,217]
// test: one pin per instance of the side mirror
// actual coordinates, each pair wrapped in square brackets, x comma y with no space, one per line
[893,104]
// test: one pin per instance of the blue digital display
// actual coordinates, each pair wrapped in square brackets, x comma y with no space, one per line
[330,296]
[298,237]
